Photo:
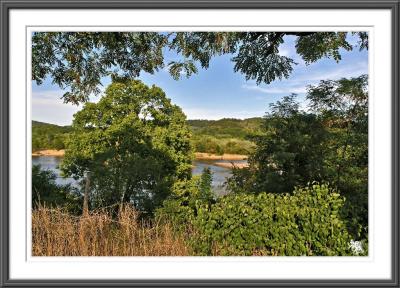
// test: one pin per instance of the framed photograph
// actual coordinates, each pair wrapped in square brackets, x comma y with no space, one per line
[199,143]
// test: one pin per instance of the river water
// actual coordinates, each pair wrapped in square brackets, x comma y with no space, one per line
[219,173]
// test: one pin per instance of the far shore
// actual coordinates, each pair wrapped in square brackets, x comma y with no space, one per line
[198,156]
[49,152]
[209,156]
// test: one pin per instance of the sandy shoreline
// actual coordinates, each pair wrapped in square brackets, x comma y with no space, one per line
[209,156]
[49,152]
[198,156]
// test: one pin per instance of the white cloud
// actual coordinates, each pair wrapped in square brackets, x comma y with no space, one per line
[47,106]
[47,94]
[345,72]
[276,90]
[335,74]
[299,81]
[58,93]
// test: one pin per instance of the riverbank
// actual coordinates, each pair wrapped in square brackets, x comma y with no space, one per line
[198,156]
[209,156]
[232,165]
[49,152]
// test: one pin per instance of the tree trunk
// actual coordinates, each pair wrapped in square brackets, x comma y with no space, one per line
[121,204]
[86,195]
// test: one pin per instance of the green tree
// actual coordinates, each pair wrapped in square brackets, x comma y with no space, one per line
[134,143]
[186,197]
[205,185]
[328,143]
[343,106]
[288,153]
[76,61]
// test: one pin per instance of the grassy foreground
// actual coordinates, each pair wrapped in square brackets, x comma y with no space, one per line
[55,233]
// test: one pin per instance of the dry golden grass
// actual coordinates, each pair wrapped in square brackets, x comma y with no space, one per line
[56,233]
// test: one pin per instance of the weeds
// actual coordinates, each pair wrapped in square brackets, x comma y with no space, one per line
[57,233]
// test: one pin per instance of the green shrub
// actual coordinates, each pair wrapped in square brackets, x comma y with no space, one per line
[180,208]
[46,192]
[304,223]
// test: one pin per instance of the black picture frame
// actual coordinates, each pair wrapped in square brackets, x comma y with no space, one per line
[8,5]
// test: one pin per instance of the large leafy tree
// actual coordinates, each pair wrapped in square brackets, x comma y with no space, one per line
[328,142]
[343,107]
[132,145]
[289,152]
[76,61]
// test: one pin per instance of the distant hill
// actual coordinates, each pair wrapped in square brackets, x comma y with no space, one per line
[48,125]
[225,128]
[48,136]
[226,135]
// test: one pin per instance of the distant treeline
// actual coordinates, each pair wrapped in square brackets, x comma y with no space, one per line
[48,136]
[224,136]
[210,136]
[304,192]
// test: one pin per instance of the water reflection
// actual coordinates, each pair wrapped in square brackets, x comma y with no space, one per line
[51,163]
[219,173]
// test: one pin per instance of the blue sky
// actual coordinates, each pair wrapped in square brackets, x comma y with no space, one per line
[217,92]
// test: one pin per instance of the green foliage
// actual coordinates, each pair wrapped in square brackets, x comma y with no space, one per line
[177,68]
[323,44]
[210,144]
[226,127]
[289,151]
[258,58]
[134,143]
[48,136]
[46,192]
[343,106]
[224,135]
[307,222]
[205,189]
[327,143]
[76,61]
[210,136]
[181,206]
[243,180]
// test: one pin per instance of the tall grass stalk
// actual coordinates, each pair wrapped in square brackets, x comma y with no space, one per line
[57,233]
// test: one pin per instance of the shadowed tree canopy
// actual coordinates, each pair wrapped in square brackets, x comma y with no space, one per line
[326,142]
[76,61]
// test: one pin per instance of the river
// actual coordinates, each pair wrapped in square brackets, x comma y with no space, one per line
[219,173]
